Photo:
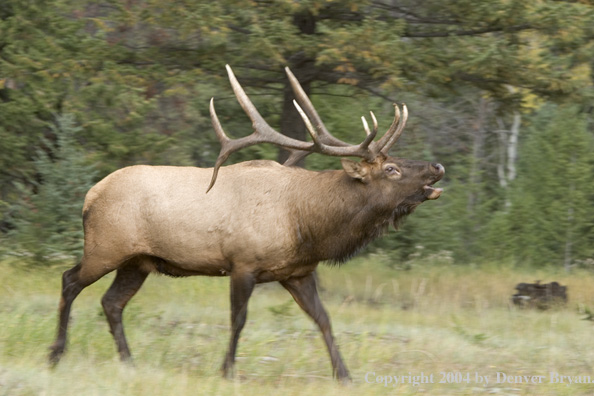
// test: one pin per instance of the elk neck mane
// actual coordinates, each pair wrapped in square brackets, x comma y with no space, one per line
[336,216]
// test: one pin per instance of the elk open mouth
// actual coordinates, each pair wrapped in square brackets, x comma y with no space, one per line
[431,192]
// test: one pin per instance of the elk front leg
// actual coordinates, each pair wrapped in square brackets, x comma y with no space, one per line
[242,285]
[305,293]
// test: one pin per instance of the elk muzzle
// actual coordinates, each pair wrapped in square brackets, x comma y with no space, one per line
[429,191]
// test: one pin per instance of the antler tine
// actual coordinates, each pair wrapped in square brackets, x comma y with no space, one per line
[380,144]
[311,112]
[361,150]
[225,144]
[263,133]
[308,124]
[366,126]
[375,125]
[395,135]
[386,137]
[295,156]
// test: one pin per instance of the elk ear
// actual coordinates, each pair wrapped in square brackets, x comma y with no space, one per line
[356,170]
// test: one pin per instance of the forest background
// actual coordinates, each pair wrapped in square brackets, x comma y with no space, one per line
[499,91]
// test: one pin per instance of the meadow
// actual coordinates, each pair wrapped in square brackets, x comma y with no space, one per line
[439,328]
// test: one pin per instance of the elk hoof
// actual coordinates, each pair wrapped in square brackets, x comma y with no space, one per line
[228,370]
[55,355]
[343,377]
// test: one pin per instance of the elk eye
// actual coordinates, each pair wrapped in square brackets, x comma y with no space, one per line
[391,170]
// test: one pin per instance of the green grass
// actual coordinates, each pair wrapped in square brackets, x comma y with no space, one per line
[432,318]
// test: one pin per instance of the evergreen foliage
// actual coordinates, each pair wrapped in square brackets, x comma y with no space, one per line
[48,219]
[552,214]
[135,79]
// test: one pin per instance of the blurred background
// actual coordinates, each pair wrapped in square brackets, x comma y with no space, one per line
[499,91]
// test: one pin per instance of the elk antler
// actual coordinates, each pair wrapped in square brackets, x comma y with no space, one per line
[391,136]
[383,145]
[322,141]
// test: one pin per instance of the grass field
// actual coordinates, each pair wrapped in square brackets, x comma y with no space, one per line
[450,323]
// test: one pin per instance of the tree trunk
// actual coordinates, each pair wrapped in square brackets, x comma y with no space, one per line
[303,68]
[291,123]
[512,147]
[508,154]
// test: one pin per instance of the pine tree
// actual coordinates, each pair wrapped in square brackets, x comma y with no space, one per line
[48,220]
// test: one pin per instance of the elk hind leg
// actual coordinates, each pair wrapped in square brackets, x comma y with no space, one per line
[129,278]
[72,284]
[305,293]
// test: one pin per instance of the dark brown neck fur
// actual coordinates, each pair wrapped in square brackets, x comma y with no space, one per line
[340,216]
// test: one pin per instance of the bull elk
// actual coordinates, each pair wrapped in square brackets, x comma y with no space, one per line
[256,221]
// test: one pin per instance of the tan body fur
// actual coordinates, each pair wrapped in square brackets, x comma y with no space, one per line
[164,212]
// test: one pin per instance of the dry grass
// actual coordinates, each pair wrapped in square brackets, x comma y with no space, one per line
[433,318]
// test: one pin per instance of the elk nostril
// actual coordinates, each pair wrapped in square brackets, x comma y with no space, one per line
[438,167]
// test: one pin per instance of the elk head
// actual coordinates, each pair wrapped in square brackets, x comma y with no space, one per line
[399,180]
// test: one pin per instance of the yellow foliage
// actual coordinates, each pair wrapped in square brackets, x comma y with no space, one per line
[345,67]
[581,72]
[531,101]
[349,81]
[176,90]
